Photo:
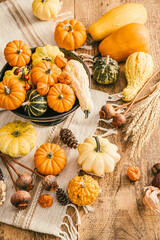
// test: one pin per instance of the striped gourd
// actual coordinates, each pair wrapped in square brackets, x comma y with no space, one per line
[36,104]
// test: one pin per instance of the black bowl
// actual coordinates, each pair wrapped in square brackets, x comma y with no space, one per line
[50,117]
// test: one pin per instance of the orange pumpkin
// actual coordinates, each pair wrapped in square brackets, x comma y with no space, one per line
[65,78]
[61,98]
[131,38]
[70,34]
[60,61]
[42,88]
[50,159]
[12,94]
[17,53]
[45,72]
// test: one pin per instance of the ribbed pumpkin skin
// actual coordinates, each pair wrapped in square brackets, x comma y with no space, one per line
[64,104]
[83,190]
[17,138]
[17,94]
[106,73]
[138,69]
[45,72]
[67,39]
[37,104]
[50,165]
[47,9]
[131,38]
[117,18]
[13,57]
[46,53]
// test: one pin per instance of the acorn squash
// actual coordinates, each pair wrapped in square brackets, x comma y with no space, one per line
[106,70]
[36,104]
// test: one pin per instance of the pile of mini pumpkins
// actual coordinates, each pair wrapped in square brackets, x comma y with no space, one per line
[42,79]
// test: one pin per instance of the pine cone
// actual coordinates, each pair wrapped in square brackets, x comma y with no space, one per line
[1,175]
[62,197]
[68,138]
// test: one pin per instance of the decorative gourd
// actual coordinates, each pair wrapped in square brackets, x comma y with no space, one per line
[117,18]
[17,138]
[80,85]
[50,159]
[83,190]
[97,155]
[36,104]
[19,76]
[42,88]
[45,72]
[46,53]
[46,9]
[17,53]
[70,34]
[139,67]
[131,38]
[65,78]
[60,61]
[106,70]
[12,93]
[61,98]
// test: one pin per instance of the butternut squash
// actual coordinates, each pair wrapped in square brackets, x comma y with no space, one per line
[117,18]
[131,38]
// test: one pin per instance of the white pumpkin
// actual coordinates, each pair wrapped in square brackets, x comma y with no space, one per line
[97,155]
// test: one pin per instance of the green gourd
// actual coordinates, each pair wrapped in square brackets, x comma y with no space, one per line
[36,104]
[106,70]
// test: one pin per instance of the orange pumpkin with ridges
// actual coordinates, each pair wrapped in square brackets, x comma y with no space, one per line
[12,94]
[50,159]
[17,53]
[45,72]
[61,98]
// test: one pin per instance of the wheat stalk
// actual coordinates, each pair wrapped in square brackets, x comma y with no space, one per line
[142,120]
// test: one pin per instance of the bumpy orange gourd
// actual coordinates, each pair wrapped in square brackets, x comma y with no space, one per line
[70,34]
[17,53]
[83,190]
[50,159]
[120,44]
[61,98]
[12,94]
[45,72]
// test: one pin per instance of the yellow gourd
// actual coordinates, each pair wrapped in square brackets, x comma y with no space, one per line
[46,9]
[117,18]
[83,190]
[80,85]
[97,155]
[139,67]
[17,138]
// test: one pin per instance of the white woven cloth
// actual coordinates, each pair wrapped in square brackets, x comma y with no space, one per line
[18,22]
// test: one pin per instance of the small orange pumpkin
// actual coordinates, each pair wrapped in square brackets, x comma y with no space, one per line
[65,78]
[17,53]
[12,94]
[45,72]
[70,34]
[50,159]
[60,61]
[61,98]
[42,88]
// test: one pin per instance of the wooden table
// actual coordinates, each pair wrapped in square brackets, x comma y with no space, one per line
[119,212]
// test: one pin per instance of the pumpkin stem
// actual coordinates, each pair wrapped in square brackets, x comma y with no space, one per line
[70,27]
[50,155]
[86,112]
[7,90]
[26,103]
[107,59]
[48,59]
[49,71]
[43,1]
[16,133]
[60,97]
[98,148]
[19,51]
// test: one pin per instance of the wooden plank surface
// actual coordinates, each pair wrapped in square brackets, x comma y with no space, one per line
[119,212]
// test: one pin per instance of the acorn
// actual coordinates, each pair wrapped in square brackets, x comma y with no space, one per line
[156,168]
[107,112]
[118,120]
[20,199]
[156,181]
[24,180]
